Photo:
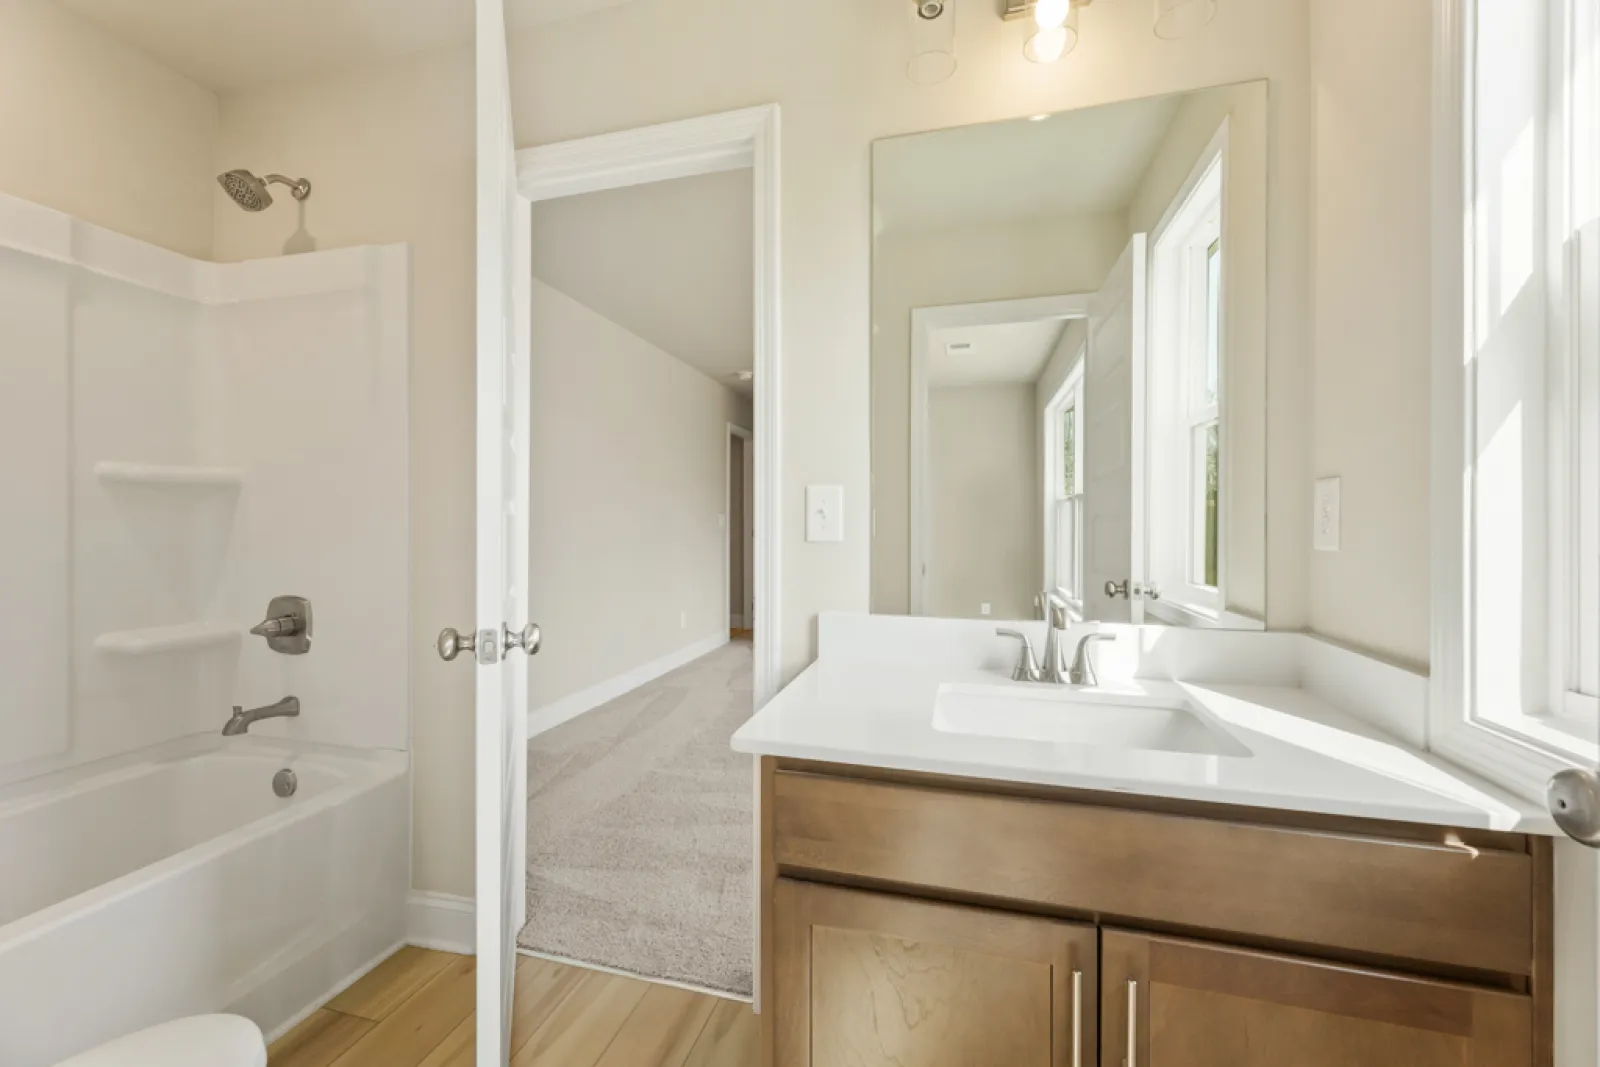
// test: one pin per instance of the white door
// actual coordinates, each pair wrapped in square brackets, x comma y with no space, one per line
[503,632]
[1116,343]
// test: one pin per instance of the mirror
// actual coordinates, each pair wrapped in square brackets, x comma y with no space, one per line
[1069,364]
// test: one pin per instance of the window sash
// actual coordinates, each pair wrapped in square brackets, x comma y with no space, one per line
[1502,696]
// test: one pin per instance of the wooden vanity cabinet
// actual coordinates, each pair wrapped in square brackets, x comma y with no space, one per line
[1194,1004]
[875,980]
[915,921]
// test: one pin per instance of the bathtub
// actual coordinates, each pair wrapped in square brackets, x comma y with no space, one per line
[177,882]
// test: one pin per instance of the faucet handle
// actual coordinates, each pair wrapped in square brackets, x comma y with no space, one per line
[1027,669]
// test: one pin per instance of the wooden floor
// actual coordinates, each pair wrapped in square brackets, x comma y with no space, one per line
[415,1009]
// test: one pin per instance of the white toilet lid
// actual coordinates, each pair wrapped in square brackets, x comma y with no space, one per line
[198,1041]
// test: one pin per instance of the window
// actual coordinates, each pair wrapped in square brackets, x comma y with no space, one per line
[1183,463]
[1517,599]
[1063,418]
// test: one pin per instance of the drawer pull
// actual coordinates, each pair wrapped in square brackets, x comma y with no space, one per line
[1077,1019]
[1133,1023]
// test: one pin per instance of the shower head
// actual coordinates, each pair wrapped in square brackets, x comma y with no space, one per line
[250,192]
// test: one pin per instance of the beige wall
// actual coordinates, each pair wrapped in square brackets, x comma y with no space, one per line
[1371,321]
[983,502]
[390,151]
[629,460]
[960,265]
[93,128]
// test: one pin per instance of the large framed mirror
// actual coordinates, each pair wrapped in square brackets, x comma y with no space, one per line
[1069,364]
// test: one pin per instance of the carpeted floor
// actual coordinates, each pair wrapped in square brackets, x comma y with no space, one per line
[640,833]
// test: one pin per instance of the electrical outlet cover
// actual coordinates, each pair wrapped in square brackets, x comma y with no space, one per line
[1325,517]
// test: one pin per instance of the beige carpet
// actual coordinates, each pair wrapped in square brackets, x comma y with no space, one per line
[639,830]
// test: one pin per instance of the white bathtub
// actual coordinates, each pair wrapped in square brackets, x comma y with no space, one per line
[179,883]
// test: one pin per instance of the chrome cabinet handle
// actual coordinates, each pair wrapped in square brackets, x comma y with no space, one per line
[528,638]
[1133,1023]
[452,643]
[1077,1019]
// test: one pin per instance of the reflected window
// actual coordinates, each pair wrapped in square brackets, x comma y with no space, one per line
[1183,462]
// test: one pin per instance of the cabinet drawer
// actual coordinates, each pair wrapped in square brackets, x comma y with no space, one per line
[1386,897]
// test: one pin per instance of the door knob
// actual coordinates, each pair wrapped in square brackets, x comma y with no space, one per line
[452,643]
[1574,799]
[527,638]
[1116,589]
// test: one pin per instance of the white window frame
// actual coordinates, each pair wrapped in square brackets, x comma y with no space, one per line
[1193,221]
[1523,750]
[1070,395]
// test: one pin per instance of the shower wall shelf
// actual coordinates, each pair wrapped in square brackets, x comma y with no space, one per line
[169,474]
[154,639]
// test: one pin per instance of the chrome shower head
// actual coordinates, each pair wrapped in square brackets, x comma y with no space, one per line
[250,192]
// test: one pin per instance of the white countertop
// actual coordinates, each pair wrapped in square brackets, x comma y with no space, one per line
[1305,755]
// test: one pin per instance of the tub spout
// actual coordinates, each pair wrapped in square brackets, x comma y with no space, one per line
[287,708]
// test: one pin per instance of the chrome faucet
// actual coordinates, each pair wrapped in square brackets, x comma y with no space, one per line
[1056,620]
[1081,672]
[287,708]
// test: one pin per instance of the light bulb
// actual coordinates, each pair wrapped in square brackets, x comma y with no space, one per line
[1047,46]
[1051,14]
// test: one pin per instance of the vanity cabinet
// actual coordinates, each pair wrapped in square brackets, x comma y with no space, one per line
[914,920]
[876,980]
[1193,1004]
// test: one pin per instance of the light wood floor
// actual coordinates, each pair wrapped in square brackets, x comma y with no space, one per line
[415,1009]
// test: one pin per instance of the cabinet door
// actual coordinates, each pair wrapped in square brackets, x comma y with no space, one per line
[1189,1004]
[872,980]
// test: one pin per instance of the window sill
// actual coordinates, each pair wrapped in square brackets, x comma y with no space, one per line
[1176,613]
[1520,756]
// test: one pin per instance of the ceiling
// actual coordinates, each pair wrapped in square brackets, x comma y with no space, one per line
[234,44]
[1080,162]
[671,261]
[1010,353]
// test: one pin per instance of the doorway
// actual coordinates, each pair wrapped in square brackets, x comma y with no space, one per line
[640,816]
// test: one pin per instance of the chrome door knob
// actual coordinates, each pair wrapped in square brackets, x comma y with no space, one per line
[452,643]
[1574,798]
[527,638]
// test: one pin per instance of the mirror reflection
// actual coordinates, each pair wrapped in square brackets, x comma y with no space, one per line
[1069,333]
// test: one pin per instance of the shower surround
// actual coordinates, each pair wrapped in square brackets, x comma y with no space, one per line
[182,441]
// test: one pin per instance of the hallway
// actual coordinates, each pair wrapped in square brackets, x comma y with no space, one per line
[639,830]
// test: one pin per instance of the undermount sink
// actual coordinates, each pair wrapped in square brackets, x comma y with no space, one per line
[1074,717]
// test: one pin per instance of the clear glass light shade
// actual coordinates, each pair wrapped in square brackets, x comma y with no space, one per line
[933,41]
[1180,18]
[1049,45]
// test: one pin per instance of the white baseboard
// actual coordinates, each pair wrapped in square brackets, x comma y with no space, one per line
[441,921]
[570,707]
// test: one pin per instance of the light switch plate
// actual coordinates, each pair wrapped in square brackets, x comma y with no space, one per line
[825,513]
[1325,519]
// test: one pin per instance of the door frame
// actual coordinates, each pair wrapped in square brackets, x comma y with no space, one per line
[747,139]
[734,430]
[924,321]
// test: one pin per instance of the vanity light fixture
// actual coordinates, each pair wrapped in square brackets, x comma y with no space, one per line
[1055,30]
[1055,22]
